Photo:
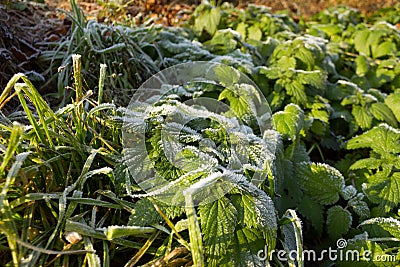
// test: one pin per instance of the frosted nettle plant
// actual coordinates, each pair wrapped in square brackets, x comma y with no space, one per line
[198,135]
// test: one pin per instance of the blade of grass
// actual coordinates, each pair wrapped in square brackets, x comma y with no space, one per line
[20,158]
[172,226]
[93,258]
[16,134]
[54,252]
[134,260]
[79,110]
[36,128]
[196,243]
[39,108]
[9,228]
[103,68]
[110,233]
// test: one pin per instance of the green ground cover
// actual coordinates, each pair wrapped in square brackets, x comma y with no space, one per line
[332,83]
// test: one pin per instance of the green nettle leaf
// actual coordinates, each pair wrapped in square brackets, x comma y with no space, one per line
[297,153]
[393,102]
[226,75]
[364,39]
[368,163]
[296,89]
[320,182]
[338,221]
[241,104]
[305,55]
[241,28]
[286,63]
[314,78]
[362,65]
[362,117]
[382,139]
[388,224]
[245,248]
[254,32]
[384,190]
[271,73]
[289,122]
[383,113]
[218,221]
[384,49]
[254,217]
[144,214]
[286,186]
[245,206]
[330,29]
[314,212]
[223,41]
[207,20]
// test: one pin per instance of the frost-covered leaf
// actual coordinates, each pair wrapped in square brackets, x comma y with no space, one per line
[348,192]
[93,260]
[223,42]
[289,122]
[261,203]
[293,237]
[218,221]
[191,158]
[321,182]
[360,207]
[338,221]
